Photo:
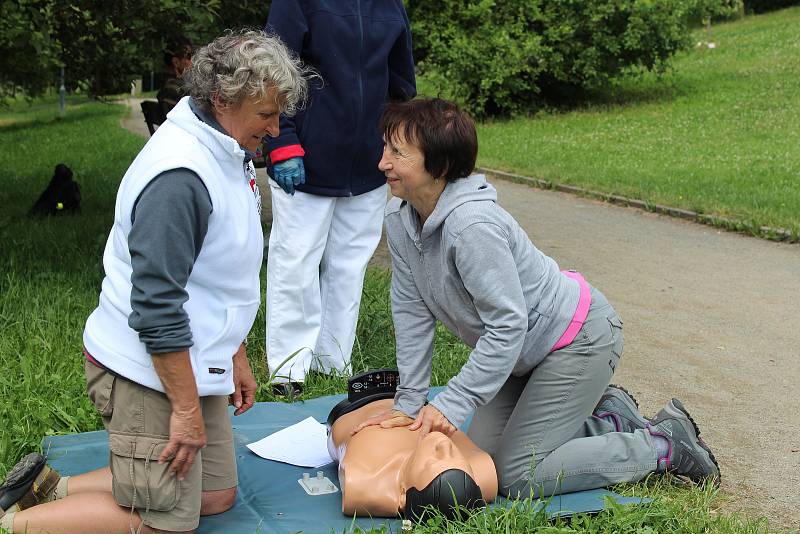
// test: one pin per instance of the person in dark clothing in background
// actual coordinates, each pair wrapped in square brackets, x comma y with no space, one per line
[328,196]
[177,59]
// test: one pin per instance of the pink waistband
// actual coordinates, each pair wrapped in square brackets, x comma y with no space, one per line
[584,301]
[92,360]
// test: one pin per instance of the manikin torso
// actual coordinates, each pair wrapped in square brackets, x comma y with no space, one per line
[377,465]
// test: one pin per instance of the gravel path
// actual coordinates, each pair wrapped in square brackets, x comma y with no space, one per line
[710,317]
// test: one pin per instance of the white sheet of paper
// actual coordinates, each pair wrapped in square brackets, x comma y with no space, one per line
[304,444]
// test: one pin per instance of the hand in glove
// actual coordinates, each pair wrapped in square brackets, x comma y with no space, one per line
[289,173]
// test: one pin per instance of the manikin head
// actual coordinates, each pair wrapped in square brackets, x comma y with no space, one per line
[453,478]
[386,472]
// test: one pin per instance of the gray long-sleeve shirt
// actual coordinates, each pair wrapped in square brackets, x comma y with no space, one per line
[472,267]
[169,224]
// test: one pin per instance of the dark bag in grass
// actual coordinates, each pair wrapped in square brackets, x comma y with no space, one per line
[63,195]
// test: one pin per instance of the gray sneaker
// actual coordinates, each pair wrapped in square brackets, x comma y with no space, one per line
[622,407]
[688,455]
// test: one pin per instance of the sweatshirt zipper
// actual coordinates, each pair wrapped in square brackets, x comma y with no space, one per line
[360,86]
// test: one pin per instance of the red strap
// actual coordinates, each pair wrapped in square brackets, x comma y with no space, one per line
[286,152]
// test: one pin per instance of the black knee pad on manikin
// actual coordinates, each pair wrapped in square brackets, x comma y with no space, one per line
[364,388]
[451,487]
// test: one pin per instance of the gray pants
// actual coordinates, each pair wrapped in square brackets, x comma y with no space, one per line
[540,431]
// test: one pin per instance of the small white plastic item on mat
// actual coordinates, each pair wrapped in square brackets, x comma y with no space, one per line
[319,485]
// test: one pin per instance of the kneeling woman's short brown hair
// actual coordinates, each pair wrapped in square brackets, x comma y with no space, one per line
[445,134]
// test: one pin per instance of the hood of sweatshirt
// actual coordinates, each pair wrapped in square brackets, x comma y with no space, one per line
[473,188]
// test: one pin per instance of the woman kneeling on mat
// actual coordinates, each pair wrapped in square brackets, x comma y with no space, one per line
[545,342]
[164,348]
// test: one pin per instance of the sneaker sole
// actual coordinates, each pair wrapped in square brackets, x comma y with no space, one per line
[679,406]
[19,480]
[23,470]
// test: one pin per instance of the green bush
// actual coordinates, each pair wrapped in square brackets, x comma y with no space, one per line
[512,56]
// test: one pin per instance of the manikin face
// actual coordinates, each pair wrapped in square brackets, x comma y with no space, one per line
[403,163]
[435,454]
[250,121]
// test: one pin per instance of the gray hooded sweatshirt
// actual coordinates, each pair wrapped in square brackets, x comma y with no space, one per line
[472,267]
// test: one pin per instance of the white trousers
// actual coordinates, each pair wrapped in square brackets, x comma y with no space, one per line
[319,248]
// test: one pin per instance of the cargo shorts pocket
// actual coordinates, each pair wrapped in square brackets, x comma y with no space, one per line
[139,481]
[99,386]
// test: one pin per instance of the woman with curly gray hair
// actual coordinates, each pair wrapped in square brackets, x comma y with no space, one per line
[164,348]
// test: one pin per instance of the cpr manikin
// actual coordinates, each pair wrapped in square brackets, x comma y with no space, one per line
[386,472]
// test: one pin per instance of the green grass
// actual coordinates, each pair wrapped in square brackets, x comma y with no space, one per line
[718,134]
[673,509]
[49,281]
[50,267]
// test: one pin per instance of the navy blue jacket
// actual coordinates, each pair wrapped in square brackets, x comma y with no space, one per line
[362,50]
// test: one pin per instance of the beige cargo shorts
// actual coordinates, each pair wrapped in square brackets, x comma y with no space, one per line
[137,421]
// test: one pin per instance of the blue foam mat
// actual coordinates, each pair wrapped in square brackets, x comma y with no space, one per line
[269,499]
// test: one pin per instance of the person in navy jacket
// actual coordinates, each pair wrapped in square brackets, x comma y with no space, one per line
[328,195]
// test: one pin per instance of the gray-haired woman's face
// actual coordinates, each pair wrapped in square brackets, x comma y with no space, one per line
[251,121]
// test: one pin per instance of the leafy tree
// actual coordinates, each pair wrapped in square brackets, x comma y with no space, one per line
[762,6]
[27,51]
[242,14]
[104,45]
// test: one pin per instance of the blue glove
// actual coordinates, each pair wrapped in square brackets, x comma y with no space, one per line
[289,173]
